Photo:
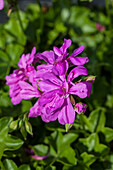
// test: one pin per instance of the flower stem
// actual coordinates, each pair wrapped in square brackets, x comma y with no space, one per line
[19,18]
[1,165]
[108,13]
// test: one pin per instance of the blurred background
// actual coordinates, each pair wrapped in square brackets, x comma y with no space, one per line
[44,24]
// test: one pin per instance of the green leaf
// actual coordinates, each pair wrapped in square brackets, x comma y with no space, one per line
[88,159]
[13,24]
[4,64]
[101,150]
[50,168]
[108,132]
[97,119]
[90,142]
[41,149]
[7,142]
[12,143]
[67,157]
[10,165]
[5,101]
[24,167]
[14,51]
[101,121]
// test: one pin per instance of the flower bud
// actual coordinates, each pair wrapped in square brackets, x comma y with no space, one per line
[14,125]
[80,108]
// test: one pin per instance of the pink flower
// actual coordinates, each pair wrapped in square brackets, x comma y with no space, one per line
[55,102]
[51,84]
[1,4]
[100,27]
[58,58]
[37,157]
[80,108]
[21,74]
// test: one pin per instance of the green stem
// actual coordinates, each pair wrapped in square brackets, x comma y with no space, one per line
[2,166]
[19,18]
[81,120]
[108,13]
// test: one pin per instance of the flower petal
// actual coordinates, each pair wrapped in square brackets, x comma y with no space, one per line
[60,68]
[77,51]
[79,89]
[35,110]
[1,4]
[48,56]
[57,51]
[67,113]
[77,71]
[78,60]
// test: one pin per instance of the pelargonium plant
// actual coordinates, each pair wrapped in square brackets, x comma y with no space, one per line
[53,83]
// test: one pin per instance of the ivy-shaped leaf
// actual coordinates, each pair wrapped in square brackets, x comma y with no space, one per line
[7,141]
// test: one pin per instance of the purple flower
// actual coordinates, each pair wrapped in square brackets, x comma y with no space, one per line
[57,58]
[12,80]
[51,83]
[21,74]
[80,108]
[1,4]
[59,61]
[55,102]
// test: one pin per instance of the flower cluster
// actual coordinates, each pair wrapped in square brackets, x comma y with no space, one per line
[52,83]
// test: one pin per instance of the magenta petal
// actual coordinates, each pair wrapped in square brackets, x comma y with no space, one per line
[26,94]
[31,57]
[53,78]
[79,89]
[35,110]
[26,86]
[46,85]
[48,56]
[65,45]
[77,71]
[51,117]
[1,4]
[89,86]
[78,60]
[28,91]
[47,97]
[67,113]
[16,99]
[22,61]
[60,68]
[77,51]
[80,108]
[39,157]
[44,67]
[50,111]
[57,51]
